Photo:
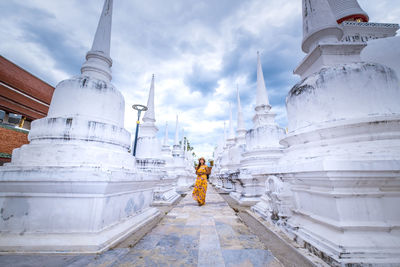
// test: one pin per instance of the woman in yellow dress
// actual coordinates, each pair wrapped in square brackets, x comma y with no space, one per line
[200,187]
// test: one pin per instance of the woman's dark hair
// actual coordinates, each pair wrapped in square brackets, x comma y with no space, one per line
[198,165]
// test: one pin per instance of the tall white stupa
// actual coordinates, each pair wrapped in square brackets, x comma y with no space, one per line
[149,159]
[262,148]
[226,167]
[75,187]
[232,153]
[148,145]
[166,152]
[343,155]
[241,128]
[176,149]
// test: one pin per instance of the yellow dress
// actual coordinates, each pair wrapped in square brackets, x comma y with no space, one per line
[200,187]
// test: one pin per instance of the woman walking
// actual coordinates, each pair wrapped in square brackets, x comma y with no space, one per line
[200,187]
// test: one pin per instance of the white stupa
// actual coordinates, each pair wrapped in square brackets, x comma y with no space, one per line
[231,136]
[148,145]
[238,141]
[176,150]
[241,128]
[227,168]
[166,152]
[262,148]
[149,158]
[343,155]
[217,155]
[233,152]
[185,178]
[75,187]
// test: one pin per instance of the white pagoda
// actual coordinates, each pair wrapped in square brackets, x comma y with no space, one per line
[181,170]
[343,155]
[149,158]
[262,148]
[75,187]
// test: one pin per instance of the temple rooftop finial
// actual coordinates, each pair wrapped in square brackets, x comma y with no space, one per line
[262,96]
[348,10]
[149,116]
[98,61]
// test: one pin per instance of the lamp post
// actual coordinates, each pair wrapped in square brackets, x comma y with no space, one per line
[139,108]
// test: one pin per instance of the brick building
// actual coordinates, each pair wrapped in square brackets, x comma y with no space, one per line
[23,98]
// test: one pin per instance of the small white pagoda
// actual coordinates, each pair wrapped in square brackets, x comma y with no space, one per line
[166,153]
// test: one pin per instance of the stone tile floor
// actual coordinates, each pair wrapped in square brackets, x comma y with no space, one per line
[189,235]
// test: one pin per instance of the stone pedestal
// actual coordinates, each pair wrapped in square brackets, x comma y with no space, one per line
[71,209]
[227,184]
[75,187]
[262,153]
[185,180]
[276,203]
[249,187]
[165,185]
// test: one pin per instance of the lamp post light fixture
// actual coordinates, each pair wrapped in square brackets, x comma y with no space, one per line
[139,108]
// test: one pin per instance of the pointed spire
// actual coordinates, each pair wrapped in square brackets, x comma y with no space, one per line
[262,96]
[176,141]
[240,121]
[102,39]
[231,131]
[165,143]
[149,116]
[98,62]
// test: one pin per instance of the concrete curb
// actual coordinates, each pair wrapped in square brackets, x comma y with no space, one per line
[284,249]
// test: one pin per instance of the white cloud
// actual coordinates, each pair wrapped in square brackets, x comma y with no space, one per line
[182,42]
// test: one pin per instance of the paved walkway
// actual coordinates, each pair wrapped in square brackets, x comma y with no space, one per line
[189,235]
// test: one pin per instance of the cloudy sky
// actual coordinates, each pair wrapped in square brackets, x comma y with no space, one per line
[198,50]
